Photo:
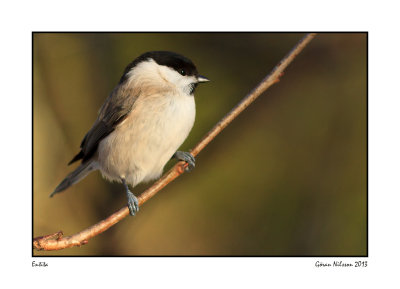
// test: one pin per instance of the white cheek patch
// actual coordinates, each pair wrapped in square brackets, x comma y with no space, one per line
[169,74]
[144,72]
[153,74]
[185,84]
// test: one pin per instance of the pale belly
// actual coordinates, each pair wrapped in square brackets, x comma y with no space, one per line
[140,147]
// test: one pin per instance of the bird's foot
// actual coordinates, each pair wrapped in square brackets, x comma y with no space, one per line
[133,203]
[186,157]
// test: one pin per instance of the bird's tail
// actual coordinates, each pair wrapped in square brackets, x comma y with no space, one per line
[78,174]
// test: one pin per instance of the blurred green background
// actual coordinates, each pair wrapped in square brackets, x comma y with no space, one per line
[287,177]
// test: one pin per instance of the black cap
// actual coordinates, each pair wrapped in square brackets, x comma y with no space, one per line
[174,60]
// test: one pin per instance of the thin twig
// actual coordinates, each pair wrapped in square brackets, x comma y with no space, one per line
[56,241]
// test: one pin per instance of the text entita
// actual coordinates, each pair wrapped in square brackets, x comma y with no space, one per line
[333,264]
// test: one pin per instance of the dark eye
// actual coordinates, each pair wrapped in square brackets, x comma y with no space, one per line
[182,72]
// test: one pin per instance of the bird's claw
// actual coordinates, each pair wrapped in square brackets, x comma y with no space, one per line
[133,203]
[186,157]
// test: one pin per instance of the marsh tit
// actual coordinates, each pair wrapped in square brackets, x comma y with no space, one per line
[141,124]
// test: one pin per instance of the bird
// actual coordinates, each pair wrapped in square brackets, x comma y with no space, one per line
[141,124]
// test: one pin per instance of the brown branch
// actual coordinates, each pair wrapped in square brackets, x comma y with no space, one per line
[57,241]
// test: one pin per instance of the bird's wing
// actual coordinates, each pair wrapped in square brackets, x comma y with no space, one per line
[114,110]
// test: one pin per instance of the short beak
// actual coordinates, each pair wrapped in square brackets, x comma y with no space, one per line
[201,78]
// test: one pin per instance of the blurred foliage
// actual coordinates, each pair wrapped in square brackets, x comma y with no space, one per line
[287,177]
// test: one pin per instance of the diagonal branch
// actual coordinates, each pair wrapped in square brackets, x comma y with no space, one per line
[56,241]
